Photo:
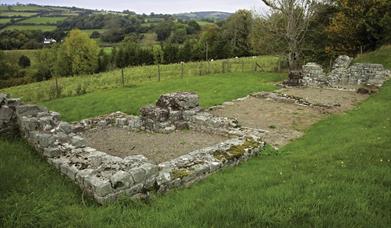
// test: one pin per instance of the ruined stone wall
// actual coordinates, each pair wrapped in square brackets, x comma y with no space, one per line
[107,177]
[345,74]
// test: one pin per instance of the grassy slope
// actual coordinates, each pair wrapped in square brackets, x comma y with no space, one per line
[382,55]
[213,89]
[338,174]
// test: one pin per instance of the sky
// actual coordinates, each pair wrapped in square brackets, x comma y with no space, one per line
[156,6]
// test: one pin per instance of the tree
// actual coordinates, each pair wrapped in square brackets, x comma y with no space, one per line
[359,25]
[296,16]
[79,53]
[24,61]
[237,30]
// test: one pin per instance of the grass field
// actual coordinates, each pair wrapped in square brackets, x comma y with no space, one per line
[31,27]
[72,86]
[131,99]
[337,175]
[28,8]
[43,20]
[4,20]
[17,14]
[15,54]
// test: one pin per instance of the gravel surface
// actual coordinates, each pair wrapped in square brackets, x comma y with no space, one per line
[156,147]
[286,121]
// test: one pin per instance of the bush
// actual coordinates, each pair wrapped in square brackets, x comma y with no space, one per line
[24,61]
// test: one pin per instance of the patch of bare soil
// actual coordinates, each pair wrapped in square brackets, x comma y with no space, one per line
[287,121]
[156,147]
[340,100]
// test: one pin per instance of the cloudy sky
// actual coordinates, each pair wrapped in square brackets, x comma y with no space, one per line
[157,6]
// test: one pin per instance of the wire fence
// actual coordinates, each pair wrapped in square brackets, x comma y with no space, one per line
[79,85]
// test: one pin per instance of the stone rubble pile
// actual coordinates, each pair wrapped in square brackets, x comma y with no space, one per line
[344,74]
[106,177]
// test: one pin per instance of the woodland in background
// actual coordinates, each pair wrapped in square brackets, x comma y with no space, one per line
[337,27]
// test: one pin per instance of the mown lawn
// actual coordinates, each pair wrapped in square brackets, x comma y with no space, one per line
[213,89]
[337,175]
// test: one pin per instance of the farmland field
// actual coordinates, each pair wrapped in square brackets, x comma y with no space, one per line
[71,86]
[28,8]
[31,27]
[4,20]
[42,20]
[17,14]
[15,54]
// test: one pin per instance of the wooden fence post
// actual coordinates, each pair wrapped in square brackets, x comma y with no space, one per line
[57,88]
[200,69]
[122,77]
[182,69]
[158,72]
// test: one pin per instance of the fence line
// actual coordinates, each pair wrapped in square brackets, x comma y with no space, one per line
[71,86]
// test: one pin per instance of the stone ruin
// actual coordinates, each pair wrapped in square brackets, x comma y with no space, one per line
[106,177]
[345,74]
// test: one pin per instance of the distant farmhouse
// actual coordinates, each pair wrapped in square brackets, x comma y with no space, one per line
[49,41]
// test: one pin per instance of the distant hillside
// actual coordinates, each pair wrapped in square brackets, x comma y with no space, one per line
[213,15]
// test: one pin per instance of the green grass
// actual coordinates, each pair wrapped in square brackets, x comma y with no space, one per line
[42,91]
[381,56]
[337,175]
[15,55]
[213,89]
[44,28]
[4,20]
[17,14]
[29,8]
[42,20]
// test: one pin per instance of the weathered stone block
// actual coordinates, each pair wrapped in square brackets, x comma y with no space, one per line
[154,113]
[6,113]
[52,152]
[29,110]
[178,101]
[121,180]
[64,127]
[100,187]
[78,141]
[138,174]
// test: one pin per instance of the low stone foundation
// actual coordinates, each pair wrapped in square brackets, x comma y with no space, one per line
[106,177]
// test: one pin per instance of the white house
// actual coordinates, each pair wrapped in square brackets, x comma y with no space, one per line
[49,41]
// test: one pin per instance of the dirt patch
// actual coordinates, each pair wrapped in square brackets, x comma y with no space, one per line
[157,147]
[340,100]
[287,121]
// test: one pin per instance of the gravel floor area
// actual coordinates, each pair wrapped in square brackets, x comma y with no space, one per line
[156,147]
[286,121]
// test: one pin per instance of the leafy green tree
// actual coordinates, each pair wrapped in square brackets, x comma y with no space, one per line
[359,24]
[79,53]
[237,30]
[158,55]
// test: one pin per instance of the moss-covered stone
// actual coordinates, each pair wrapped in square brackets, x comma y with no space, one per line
[236,151]
[179,173]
